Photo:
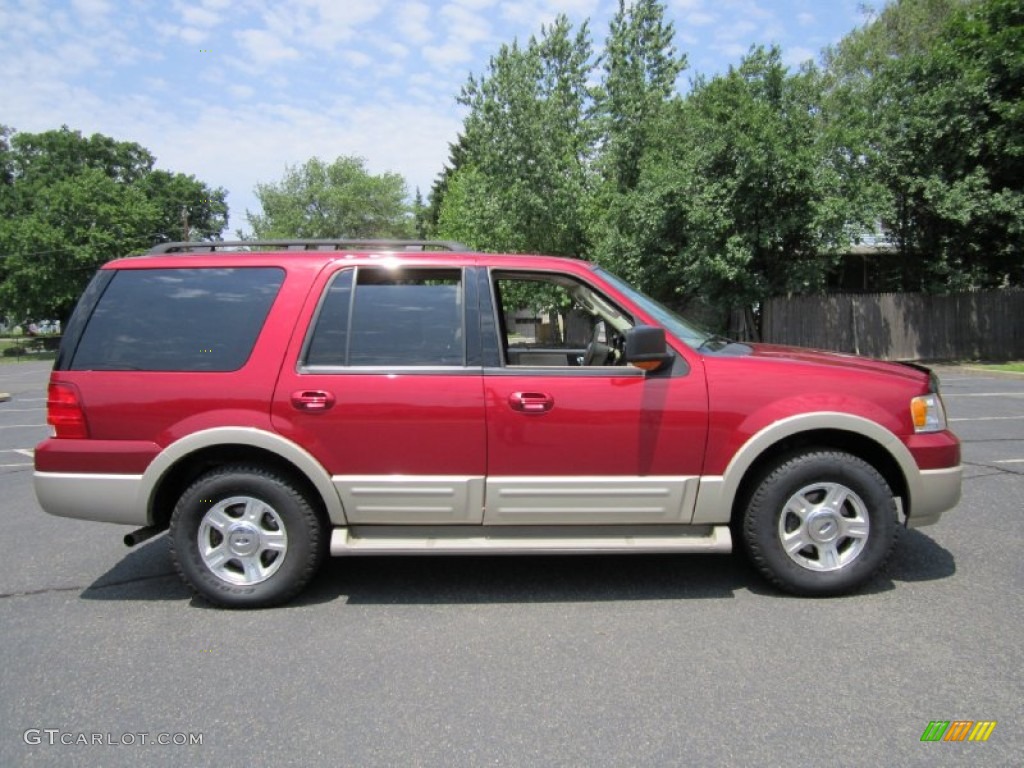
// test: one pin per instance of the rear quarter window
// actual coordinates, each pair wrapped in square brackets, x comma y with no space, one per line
[178,319]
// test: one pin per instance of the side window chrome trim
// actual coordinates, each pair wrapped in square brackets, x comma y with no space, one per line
[590,371]
[378,370]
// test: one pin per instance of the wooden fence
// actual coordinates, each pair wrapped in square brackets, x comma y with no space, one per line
[902,326]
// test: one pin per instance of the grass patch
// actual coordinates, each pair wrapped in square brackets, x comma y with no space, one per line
[1009,367]
[24,348]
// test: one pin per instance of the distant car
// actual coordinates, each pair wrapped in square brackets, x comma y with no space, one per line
[43,328]
[272,406]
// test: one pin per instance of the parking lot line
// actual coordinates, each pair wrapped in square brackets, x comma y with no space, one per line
[987,418]
[20,426]
[982,394]
[1008,461]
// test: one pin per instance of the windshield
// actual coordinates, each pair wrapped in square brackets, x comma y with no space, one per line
[685,330]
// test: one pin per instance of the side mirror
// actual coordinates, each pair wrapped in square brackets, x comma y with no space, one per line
[646,348]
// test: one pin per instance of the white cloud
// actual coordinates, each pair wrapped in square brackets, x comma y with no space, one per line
[320,23]
[734,51]
[445,56]
[699,19]
[805,19]
[412,20]
[242,92]
[465,25]
[390,48]
[736,30]
[795,56]
[91,8]
[192,35]
[200,17]
[578,9]
[475,5]
[356,59]
[264,48]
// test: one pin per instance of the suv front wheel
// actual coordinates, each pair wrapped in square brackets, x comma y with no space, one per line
[245,537]
[820,523]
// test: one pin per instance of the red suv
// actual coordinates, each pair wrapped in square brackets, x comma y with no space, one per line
[275,404]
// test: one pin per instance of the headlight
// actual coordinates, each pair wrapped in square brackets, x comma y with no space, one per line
[927,413]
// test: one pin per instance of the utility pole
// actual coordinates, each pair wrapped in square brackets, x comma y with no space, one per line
[184,224]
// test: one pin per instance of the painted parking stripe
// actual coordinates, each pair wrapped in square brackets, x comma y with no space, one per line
[21,426]
[982,394]
[21,410]
[5,466]
[988,418]
[1009,461]
[30,452]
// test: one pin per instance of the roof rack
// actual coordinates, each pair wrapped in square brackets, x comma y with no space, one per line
[309,245]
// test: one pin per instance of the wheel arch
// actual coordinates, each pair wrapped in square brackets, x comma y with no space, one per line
[178,465]
[721,499]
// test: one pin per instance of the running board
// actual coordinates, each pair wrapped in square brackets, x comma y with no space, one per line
[533,540]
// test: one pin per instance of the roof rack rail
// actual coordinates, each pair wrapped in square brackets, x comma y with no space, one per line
[309,245]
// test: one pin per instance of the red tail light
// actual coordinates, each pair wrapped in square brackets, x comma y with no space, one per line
[64,411]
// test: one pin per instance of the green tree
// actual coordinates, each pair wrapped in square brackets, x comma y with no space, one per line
[457,156]
[6,171]
[340,199]
[421,216]
[70,203]
[951,134]
[641,66]
[926,98]
[519,174]
[761,213]
[627,224]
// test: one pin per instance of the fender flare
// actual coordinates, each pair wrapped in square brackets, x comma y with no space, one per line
[252,437]
[716,495]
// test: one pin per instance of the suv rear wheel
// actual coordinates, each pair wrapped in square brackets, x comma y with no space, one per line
[820,523]
[245,537]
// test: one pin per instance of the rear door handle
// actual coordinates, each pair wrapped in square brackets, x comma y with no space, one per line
[531,402]
[312,400]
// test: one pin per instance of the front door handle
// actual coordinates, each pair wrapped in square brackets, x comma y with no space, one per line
[531,402]
[312,400]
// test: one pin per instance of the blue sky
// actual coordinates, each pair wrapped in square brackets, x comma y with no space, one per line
[233,91]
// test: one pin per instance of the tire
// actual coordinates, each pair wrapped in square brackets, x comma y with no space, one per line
[245,537]
[820,523]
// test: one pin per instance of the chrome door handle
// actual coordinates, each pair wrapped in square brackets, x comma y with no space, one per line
[531,402]
[312,400]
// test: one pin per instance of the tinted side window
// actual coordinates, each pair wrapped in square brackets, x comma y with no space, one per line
[392,318]
[328,344]
[178,319]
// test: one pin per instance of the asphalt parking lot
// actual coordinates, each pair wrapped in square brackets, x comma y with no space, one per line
[529,661]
